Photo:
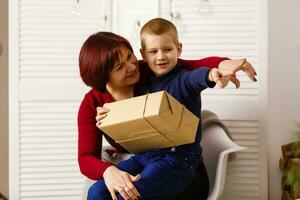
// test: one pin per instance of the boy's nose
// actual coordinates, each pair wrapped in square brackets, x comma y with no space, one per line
[161,56]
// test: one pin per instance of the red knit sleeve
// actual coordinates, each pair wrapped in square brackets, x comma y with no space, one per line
[210,62]
[89,141]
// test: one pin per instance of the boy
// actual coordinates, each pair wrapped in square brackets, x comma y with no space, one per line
[160,49]
[166,172]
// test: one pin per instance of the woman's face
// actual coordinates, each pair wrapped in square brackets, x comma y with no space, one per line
[126,71]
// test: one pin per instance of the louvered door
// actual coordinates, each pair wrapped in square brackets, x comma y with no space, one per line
[130,15]
[47,90]
[230,28]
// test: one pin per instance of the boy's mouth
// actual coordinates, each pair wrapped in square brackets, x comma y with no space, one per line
[161,64]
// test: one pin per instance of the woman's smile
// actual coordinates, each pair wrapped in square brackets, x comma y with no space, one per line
[132,75]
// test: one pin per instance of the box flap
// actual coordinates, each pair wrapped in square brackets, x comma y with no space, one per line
[124,110]
[175,106]
[186,133]
[163,112]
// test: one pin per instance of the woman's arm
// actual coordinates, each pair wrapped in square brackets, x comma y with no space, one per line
[89,152]
[89,141]
[225,66]
[210,62]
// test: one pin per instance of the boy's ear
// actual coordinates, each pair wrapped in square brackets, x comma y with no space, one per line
[179,48]
[142,51]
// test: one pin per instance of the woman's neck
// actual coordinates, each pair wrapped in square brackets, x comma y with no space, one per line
[120,93]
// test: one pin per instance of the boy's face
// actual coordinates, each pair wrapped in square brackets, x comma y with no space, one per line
[160,53]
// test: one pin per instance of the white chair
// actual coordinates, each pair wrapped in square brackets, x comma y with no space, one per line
[216,148]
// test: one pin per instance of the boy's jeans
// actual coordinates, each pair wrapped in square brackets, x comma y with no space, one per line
[163,173]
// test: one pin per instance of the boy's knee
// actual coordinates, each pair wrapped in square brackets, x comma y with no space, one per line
[91,193]
[97,191]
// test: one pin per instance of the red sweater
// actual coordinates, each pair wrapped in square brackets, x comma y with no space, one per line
[90,137]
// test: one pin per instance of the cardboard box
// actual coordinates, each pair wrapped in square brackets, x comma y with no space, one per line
[155,120]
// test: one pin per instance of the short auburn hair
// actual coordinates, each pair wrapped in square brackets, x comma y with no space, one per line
[159,26]
[97,57]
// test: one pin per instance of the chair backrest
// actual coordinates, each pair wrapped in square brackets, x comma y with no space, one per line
[216,147]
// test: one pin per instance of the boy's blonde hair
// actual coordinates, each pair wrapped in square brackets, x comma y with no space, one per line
[159,26]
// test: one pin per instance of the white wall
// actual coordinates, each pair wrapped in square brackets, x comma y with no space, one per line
[4,97]
[283,82]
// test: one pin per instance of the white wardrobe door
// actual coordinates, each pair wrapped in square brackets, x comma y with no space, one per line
[48,90]
[130,15]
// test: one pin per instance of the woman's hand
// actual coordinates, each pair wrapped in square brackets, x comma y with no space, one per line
[118,181]
[220,78]
[236,65]
[101,114]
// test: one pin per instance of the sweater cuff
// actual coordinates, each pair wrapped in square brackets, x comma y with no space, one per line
[104,167]
[210,84]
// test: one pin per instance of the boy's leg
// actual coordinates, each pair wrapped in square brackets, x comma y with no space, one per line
[198,188]
[166,175]
[99,191]
[132,165]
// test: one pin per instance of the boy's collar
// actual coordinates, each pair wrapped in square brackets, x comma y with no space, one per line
[176,69]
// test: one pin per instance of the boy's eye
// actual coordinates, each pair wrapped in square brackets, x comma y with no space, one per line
[152,52]
[169,49]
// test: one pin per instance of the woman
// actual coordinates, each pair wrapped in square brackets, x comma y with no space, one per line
[114,76]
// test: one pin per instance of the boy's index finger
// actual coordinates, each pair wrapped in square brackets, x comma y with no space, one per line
[226,73]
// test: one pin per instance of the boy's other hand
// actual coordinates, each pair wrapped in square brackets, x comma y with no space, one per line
[220,78]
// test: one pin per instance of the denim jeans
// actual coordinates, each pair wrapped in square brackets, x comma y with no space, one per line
[163,173]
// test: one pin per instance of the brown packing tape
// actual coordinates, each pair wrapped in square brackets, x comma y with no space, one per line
[124,132]
[185,128]
[140,138]
[171,105]
[177,126]
[140,134]
[152,125]
[164,121]
[142,144]
[175,106]
[121,114]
